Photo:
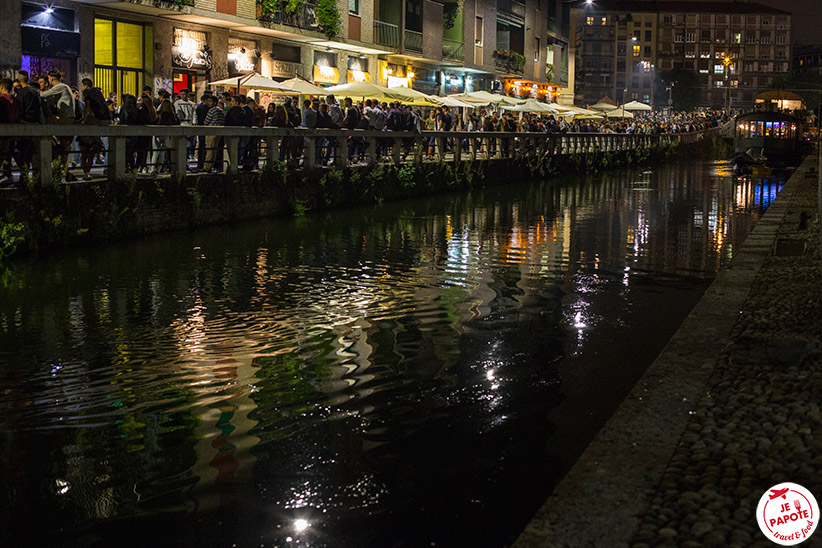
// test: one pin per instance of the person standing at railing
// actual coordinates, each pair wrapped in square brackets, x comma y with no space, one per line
[146,115]
[280,120]
[128,116]
[184,109]
[96,113]
[214,118]
[257,121]
[9,114]
[31,113]
[430,124]
[165,117]
[324,122]
[201,111]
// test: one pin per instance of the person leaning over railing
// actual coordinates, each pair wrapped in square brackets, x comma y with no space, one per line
[9,114]
[61,108]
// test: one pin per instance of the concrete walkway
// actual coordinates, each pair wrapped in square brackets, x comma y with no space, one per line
[729,408]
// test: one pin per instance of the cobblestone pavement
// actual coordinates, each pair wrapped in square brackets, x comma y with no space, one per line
[731,407]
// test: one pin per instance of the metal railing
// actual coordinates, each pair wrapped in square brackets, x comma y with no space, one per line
[304,18]
[413,40]
[386,34]
[255,148]
[452,49]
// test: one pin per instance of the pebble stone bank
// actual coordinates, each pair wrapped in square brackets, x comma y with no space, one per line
[732,406]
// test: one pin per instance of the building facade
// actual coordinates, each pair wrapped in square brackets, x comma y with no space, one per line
[438,47]
[735,49]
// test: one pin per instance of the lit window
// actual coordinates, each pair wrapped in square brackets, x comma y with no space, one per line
[589,21]
[637,50]
[604,21]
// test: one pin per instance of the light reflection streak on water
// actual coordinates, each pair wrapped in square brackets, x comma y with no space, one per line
[222,355]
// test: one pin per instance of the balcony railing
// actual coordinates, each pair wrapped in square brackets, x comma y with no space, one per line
[386,34]
[304,18]
[452,49]
[413,41]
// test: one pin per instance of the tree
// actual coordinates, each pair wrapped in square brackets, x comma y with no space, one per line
[686,88]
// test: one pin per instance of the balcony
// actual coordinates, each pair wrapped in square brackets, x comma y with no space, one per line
[386,34]
[511,10]
[413,41]
[509,61]
[304,17]
[452,49]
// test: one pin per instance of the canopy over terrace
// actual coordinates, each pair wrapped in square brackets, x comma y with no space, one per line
[783,99]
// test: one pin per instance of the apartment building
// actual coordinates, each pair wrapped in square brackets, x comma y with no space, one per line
[735,48]
[438,47]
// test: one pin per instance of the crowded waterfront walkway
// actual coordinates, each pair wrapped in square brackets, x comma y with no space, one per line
[729,409]
[44,120]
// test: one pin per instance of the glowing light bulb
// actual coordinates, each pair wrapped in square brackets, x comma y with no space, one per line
[301,525]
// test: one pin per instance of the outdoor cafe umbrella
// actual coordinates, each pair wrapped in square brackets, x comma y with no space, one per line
[410,96]
[485,98]
[450,101]
[636,105]
[532,105]
[253,80]
[364,90]
[604,104]
[304,87]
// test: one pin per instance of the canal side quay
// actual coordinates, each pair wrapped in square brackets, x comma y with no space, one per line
[43,212]
[730,408]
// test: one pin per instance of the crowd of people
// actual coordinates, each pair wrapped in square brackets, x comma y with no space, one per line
[48,99]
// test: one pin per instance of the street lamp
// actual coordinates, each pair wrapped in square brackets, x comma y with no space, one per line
[727,62]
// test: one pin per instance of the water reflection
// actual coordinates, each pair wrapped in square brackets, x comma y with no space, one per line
[280,382]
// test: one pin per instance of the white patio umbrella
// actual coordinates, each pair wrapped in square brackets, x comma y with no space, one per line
[636,105]
[253,80]
[619,113]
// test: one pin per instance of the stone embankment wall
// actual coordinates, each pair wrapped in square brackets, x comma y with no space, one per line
[37,218]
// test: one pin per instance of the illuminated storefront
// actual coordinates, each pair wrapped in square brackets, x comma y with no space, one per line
[357,69]
[325,68]
[48,40]
[524,89]
[123,55]
[190,58]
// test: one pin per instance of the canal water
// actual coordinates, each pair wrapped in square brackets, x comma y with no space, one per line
[415,374]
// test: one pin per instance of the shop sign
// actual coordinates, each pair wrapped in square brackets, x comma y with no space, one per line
[241,63]
[453,84]
[283,69]
[57,44]
[184,57]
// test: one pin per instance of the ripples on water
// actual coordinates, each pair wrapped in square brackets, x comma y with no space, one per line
[417,374]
